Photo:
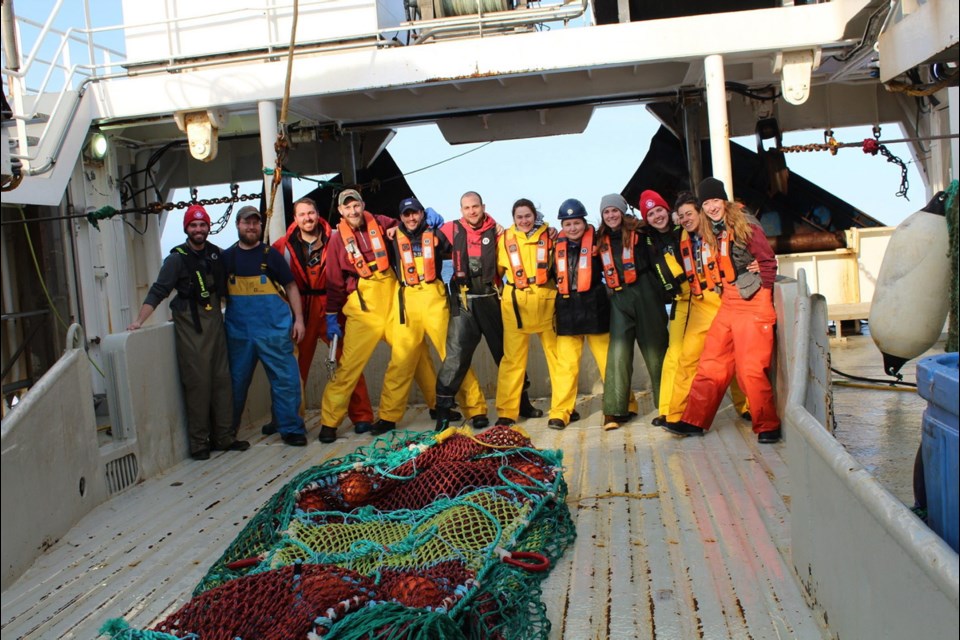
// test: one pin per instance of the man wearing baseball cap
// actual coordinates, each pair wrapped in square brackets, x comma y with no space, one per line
[304,248]
[361,284]
[264,319]
[195,270]
[422,311]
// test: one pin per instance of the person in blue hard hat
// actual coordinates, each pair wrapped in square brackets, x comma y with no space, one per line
[583,310]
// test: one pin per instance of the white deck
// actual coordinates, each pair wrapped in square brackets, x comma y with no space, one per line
[676,538]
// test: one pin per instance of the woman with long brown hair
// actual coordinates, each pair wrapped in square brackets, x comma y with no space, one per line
[525,258]
[739,263]
[637,313]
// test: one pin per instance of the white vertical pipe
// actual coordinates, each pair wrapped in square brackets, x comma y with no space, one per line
[719,125]
[268,137]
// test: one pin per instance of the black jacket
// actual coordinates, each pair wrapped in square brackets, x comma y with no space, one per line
[584,312]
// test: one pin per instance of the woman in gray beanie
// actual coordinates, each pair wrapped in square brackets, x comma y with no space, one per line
[636,310]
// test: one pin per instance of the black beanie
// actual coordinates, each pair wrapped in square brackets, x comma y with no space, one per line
[711,188]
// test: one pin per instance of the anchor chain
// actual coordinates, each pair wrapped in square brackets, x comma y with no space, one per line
[870,146]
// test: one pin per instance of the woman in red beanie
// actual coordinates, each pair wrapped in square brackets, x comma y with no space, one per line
[742,334]
[663,244]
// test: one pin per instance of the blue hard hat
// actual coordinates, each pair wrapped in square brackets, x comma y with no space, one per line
[571,208]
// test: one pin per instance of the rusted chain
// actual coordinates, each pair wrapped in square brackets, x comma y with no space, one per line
[870,146]
[921,91]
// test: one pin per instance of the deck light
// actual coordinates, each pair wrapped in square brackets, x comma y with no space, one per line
[97,146]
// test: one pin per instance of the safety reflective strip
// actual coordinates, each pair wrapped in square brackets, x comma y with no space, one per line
[690,265]
[719,269]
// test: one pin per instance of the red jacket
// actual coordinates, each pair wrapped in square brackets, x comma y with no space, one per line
[311,279]
[341,274]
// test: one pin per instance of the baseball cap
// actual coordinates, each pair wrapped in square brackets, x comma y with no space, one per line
[348,194]
[410,203]
[248,212]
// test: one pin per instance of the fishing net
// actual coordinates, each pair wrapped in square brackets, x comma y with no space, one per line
[953,227]
[419,535]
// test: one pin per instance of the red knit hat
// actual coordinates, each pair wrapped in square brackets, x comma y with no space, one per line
[650,199]
[195,212]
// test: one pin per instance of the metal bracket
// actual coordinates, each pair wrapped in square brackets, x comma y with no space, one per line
[201,128]
[796,69]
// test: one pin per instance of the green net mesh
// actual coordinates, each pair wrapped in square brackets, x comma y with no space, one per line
[419,535]
[953,227]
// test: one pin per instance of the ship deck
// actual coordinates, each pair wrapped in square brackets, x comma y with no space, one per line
[676,538]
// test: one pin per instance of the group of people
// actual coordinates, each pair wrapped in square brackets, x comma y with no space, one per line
[374,278]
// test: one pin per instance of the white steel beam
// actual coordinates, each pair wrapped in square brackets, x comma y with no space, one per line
[462,61]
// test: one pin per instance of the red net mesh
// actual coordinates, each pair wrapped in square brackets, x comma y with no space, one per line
[276,605]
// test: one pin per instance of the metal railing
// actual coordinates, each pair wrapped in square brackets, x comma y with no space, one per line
[843,521]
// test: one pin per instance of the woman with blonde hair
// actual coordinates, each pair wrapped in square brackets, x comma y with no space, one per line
[741,336]
[691,316]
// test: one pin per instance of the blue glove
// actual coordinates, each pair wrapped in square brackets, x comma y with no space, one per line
[434,219]
[333,326]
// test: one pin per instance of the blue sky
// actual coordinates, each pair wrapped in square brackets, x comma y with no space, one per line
[599,161]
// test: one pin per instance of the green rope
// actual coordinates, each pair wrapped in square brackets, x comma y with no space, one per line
[953,230]
[103,213]
[267,171]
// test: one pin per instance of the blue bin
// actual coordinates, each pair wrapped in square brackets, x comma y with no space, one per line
[938,380]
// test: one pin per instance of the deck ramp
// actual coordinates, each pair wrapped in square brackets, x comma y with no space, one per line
[677,538]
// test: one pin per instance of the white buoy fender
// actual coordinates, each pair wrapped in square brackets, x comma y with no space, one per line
[912,295]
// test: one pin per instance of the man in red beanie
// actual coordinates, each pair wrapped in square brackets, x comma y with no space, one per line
[196,271]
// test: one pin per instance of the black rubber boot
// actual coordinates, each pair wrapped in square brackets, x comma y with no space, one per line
[527,410]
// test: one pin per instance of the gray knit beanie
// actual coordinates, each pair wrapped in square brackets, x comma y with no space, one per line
[613,200]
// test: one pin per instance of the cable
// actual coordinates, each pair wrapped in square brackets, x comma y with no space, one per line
[43,285]
[436,164]
[898,381]
[744,90]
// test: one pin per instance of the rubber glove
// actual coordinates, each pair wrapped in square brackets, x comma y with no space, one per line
[434,219]
[333,326]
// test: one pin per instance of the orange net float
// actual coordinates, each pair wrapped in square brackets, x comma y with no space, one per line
[525,472]
[356,488]
[415,591]
[313,500]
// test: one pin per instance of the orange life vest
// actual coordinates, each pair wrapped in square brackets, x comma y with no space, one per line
[520,279]
[584,262]
[716,269]
[610,267]
[375,233]
[408,264]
